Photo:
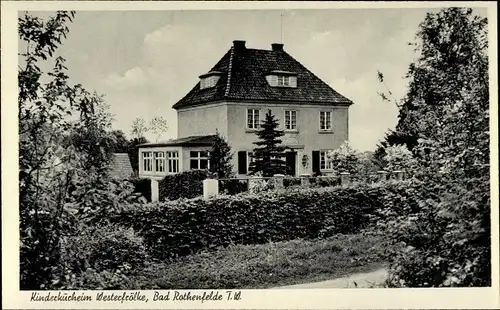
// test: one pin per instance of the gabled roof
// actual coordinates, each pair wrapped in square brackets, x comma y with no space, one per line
[243,77]
[206,140]
[121,166]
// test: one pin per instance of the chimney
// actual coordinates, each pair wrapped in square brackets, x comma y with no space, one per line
[239,45]
[277,47]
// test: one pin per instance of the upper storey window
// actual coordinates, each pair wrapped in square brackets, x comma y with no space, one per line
[282,79]
[210,79]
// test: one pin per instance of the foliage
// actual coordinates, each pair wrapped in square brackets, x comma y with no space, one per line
[220,157]
[139,128]
[269,153]
[187,184]
[344,159]
[368,164]
[399,158]
[158,125]
[100,257]
[45,100]
[92,137]
[184,226]
[63,157]
[232,186]
[121,143]
[394,138]
[447,236]
[259,184]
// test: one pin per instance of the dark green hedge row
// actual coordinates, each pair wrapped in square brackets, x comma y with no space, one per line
[183,227]
[188,184]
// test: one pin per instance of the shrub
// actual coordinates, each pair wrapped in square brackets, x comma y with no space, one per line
[322,181]
[398,157]
[260,185]
[187,184]
[183,227]
[100,257]
[288,182]
[232,186]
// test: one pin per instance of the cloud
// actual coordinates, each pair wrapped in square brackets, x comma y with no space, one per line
[134,77]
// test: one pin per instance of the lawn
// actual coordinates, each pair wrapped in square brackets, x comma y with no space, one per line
[267,265]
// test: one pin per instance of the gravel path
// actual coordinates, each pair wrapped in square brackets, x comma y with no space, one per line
[360,280]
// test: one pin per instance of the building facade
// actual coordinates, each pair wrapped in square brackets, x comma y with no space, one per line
[233,98]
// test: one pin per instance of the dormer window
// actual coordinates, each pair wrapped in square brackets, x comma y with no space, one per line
[210,79]
[282,79]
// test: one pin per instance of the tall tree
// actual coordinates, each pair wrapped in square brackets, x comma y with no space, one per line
[269,153]
[47,167]
[447,106]
[220,158]
[121,143]
[139,128]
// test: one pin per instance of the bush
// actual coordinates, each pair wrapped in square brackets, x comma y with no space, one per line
[101,257]
[232,186]
[289,182]
[183,227]
[187,184]
[322,181]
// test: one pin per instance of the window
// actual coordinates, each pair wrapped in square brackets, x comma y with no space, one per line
[159,161]
[283,80]
[291,120]
[147,161]
[325,120]
[209,80]
[173,162]
[199,160]
[253,121]
[324,163]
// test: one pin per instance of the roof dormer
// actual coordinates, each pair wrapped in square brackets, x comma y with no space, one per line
[278,78]
[210,79]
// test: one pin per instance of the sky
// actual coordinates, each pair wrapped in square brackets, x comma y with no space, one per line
[145,61]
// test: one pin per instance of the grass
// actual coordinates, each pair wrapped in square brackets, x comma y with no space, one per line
[268,265]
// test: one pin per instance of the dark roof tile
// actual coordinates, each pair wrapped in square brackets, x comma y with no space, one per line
[121,167]
[246,70]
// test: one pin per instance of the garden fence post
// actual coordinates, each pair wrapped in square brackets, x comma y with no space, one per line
[304,180]
[210,188]
[278,181]
[155,193]
[344,178]
[383,175]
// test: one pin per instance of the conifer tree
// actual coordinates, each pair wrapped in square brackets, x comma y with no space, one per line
[269,153]
[220,158]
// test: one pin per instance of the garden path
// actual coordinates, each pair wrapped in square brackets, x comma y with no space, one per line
[359,280]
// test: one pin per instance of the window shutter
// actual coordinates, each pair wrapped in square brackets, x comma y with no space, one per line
[315,161]
[242,162]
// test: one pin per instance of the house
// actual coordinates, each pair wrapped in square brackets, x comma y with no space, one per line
[233,98]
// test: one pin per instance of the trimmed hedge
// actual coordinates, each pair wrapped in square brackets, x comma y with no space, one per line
[188,184]
[183,227]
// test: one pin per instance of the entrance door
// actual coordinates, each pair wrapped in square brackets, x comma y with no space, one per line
[291,160]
